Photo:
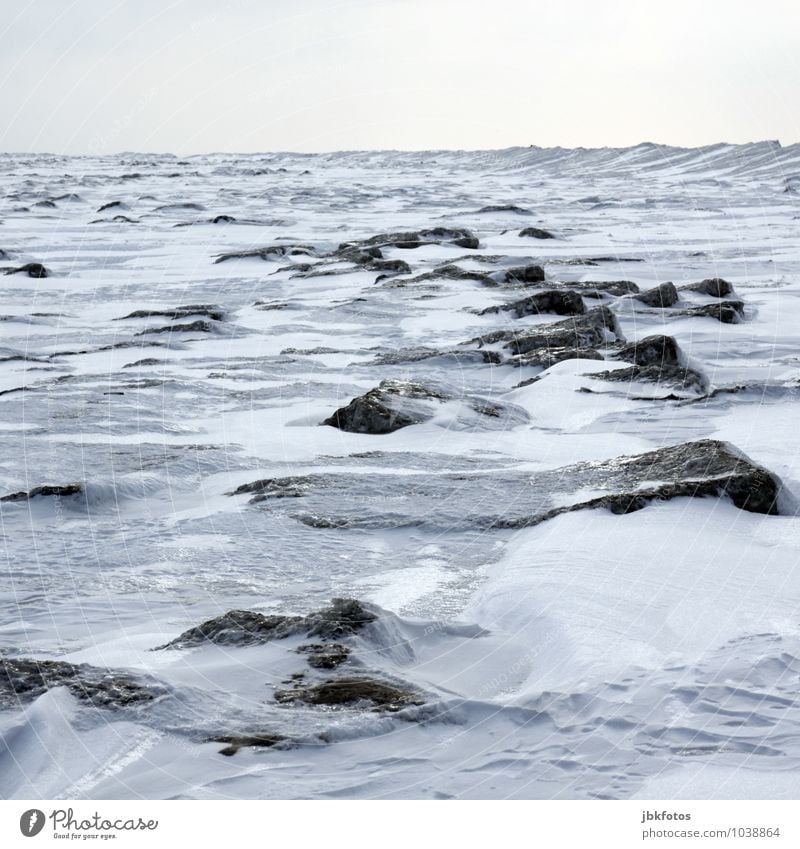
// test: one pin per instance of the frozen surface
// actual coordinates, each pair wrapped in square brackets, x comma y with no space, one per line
[650,654]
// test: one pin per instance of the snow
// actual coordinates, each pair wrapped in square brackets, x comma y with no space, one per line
[650,655]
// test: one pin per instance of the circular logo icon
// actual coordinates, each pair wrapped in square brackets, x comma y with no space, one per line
[31,822]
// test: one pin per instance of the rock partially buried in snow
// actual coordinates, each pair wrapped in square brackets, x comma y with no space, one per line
[506,498]
[596,327]
[504,207]
[207,310]
[695,469]
[417,238]
[396,404]
[384,409]
[348,692]
[47,490]
[25,679]
[325,655]
[32,269]
[245,627]
[716,287]
[656,359]
[247,741]
[536,233]
[560,302]
[664,295]
[728,312]
[524,274]
[270,252]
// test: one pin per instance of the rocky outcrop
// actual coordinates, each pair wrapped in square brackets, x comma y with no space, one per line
[384,409]
[350,692]
[396,404]
[289,487]
[523,275]
[704,468]
[270,252]
[728,312]
[546,357]
[345,616]
[536,233]
[25,679]
[207,310]
[716,287]
[198,326]
[324,655]
[598,288]
[662,296]
[234,742]
[451,272]
[504,207]
[32,269]
[656,359]
[560,302]
[45,491]
[594,328]
[416,238]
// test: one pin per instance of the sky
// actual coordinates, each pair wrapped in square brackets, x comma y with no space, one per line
[194,76]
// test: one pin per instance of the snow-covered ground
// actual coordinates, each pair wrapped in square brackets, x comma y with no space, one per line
[544,651]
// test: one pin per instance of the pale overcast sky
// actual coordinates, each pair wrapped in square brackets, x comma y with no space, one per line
[187,76]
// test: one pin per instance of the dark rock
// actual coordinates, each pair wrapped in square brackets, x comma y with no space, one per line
[704,468]
[270,252]
[390,266]
[150,361]
[598,288]
[652,350]
[344,617]
[359,255]
[32,269]
[525,274]
[413,355]
[381,410]
[594,260]
[114,204]
[564,302]
[546,357]
[246,741]
[238,628]
[223,219]
[291,487]
[497,497]
[714,286]
[25,679]
[45,491]
[325,655]
[728,312]
[504,207]
[595,327]
[341,692]
[656,359]
[416,238]
[118,219]
[209,311]
[672,375]
[664,295]
[536,233]
[169,207]
[451,272]
[192,327]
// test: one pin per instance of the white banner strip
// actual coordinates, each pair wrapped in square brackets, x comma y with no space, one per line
[402,824]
